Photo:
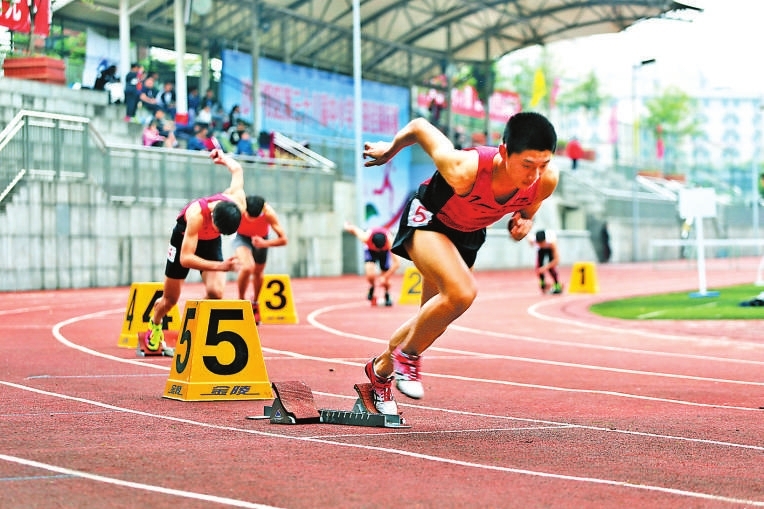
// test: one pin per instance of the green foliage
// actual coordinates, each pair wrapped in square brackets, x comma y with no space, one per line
[675,112]
[682,306]
[584,95]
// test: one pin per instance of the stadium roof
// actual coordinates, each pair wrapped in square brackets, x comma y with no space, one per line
[403,41]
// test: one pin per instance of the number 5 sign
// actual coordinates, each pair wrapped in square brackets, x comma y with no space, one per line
[218,354]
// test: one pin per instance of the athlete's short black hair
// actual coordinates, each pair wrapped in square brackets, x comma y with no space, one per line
[226,217]
[528,130]
[540,236]
[255,205]
[379,240]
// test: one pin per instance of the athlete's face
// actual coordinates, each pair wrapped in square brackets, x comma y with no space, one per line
[525,168]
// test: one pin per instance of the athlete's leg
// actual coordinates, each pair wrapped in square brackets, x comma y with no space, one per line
[257,279]
[214,284]
[246,269]
[448,290]
[169,298]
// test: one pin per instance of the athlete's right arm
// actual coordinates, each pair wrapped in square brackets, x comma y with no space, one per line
[188,257]
[457,167]
[237,172]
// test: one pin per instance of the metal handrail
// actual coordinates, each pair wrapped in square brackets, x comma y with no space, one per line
[67,146]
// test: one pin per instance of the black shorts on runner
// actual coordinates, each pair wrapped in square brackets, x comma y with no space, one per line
[412,219]
[208,249]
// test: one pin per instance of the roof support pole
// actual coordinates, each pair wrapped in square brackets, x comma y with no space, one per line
[256,100]
[488,88]
[124,40]
[358,122]
[181,85]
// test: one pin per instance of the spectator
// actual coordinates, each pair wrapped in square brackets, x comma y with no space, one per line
[152,137]
[148,96]
[167,99]
[132,90]
[166,128]
[234,116]
[265,144]
[244,145]
[205,115]
[193,101]
[199,140]
[235,132]
[574,151]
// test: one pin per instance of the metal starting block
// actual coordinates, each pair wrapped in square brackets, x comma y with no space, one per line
[143,350]
[294,405]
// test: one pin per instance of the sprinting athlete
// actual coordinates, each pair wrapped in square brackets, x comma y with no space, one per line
[195,244]
[546,249]
[444,226]
[378,242]
[251,246]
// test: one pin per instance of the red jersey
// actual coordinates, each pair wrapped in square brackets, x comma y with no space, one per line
[254,226]
[371,245]
[208,230]
[478,209]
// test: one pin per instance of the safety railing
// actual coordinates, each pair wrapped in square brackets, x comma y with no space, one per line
[65,147]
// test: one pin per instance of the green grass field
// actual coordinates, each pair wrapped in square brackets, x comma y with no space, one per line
[683,306]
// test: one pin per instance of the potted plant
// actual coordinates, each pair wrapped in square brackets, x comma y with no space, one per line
[30,65]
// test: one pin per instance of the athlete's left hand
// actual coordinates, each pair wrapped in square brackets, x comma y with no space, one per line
[519,226]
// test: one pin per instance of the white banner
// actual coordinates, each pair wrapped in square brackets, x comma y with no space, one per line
[100,53]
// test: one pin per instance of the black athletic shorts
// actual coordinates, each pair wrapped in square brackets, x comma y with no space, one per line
[413,218]
[208,249]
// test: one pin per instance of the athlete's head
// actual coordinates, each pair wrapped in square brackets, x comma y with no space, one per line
[255,205]
[529,131]
[379,240]
[226,217]
[540,236]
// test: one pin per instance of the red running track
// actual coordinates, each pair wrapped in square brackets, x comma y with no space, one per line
[531,401]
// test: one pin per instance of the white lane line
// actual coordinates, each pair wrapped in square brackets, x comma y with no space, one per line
[129,484]
[57,334]
[388,450]
[534,311]
[313,319]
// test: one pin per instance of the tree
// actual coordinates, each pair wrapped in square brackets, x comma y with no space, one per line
[672,118]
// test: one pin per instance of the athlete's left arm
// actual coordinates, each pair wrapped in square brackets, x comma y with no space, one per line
[521,222]
[273,220]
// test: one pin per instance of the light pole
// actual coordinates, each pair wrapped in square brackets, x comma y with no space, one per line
[757,152]
[635,160]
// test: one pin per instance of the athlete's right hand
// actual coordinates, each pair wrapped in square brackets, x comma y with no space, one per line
[378,152]
[229,265]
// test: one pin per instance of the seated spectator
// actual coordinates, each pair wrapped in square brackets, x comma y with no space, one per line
[244,145]
[148,96]
[233,118]
[167,99]
[235,132]
[204,116]
[265,144]
[199,140]
[166,128]
[152,137]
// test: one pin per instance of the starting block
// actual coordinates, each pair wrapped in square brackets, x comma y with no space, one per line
[143,350]
[294,404]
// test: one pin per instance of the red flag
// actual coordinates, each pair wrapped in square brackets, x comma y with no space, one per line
[42,18]
[15,15]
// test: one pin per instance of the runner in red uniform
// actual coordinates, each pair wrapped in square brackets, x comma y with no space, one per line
[444,226]
[195,244]
[378,243]
[251,246]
